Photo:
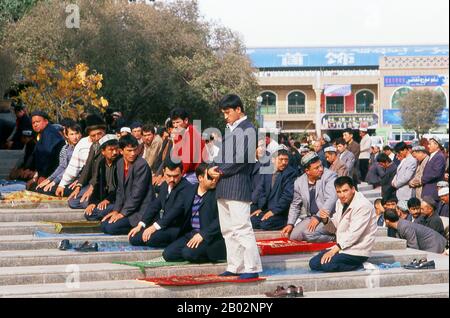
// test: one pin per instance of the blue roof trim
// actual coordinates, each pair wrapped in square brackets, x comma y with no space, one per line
[336,56]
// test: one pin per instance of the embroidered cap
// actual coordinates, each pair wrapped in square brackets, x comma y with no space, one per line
[330,149]
[443,191]
[308,158]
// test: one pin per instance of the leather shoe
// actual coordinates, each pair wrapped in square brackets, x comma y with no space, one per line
[294,291]
[64,245]
[422,264]
[87,247]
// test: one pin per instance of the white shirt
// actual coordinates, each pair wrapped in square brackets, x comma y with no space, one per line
[365,144]
[236,123]
[392,156]
[77,162]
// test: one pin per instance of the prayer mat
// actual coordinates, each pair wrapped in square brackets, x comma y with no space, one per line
[156,262]
[43,234]
[192,280]
[75,226]
[30,196]
[285,246]
[104,246]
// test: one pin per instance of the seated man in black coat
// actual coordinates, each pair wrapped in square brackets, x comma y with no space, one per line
[429,216]
[48,146]
[200,239]
[275,193]
[161,223]
[103,197]
[134,190]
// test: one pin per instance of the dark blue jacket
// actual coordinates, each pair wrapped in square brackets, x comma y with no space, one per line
[279,198]
[236,160]
[171,205]
[46,152]
[433,173]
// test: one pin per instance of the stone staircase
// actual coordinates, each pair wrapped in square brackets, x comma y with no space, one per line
[34,267]
[8,160]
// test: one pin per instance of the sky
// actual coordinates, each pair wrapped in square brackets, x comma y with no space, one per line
[282,23]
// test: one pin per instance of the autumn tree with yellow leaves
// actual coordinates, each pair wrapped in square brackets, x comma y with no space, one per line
[62,93]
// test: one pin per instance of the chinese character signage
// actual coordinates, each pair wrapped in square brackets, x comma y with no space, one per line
[337,90]
[394,117]
[415,81]
[353,121]
[336,56]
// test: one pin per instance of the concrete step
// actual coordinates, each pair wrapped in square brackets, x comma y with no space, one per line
[10,258]
[54,256]
[30,242]
[18,236]
[316,282]
[30,215]
[411,291]
[11,229]
[32,205]
[47,274]
[372,194]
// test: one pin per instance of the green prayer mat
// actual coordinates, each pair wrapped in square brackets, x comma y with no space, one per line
[75,226]
[155,262]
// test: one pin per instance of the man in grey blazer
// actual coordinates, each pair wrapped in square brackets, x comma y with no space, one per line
[233,168]
[313,192]
[405,172]
[134,190]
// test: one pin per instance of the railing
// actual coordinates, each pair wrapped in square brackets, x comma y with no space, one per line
[335,108]
[363,108]
[268,110]
[296,109]
[314,73]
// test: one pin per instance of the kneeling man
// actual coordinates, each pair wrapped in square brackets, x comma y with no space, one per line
[355,226]
[200,239]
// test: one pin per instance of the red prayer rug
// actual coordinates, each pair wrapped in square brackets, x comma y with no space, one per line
[191,280]
[286,246]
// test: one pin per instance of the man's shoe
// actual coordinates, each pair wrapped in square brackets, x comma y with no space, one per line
[249,276]
[294,291]
[280,292]
[87,247]
[64,245]
[227,273]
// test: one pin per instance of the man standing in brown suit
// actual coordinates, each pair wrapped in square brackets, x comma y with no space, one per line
[421,155]
[354,148]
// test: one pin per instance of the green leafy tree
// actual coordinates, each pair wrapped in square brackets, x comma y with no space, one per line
[421,109]
[152,57]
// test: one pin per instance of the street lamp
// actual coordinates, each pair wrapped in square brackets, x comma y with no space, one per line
[259,116]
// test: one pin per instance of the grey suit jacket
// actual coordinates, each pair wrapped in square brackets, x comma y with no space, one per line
[236,160]
[405,172]
[348,159]
[135,193]
[421,237]
[325,196]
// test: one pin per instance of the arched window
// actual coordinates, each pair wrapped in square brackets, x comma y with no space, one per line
[399,93]
[364,101]
[269,103]
[296,103]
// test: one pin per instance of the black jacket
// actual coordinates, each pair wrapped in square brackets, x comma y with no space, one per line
[101,190]
[171,205]
[209,215]
[135,193]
